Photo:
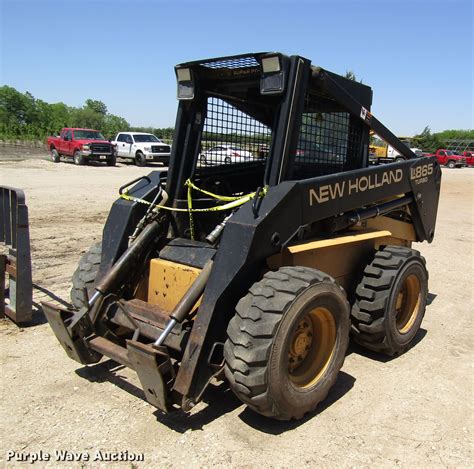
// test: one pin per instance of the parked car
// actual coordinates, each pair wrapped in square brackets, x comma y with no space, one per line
[82,145]
[448,158]
[224,154]
[469,155]
[142,147]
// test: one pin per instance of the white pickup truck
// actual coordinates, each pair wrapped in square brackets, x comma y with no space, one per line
[143,148]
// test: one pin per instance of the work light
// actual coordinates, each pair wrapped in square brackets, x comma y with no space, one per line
[185,83]
[273,77]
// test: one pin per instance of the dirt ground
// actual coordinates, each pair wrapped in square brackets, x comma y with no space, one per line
[412,411]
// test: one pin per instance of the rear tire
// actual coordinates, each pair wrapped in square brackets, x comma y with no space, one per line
[79,159]
[140,159]
[287,342]
[85,274]
[390,301]
[55,156]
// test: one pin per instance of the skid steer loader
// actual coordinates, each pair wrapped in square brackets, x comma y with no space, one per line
[267,244]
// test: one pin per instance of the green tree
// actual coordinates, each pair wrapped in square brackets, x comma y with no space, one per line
[96,106]
[427,141]
[113,125]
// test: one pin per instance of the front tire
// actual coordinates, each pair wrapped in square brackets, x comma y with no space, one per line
[287,342]
[112,161]
[451,164]
[79,159]
[85,274]
[140,159]
[390,301]
[55,158]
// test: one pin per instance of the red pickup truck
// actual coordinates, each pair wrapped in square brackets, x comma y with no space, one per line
[82,145]
[469,155]
[448,158]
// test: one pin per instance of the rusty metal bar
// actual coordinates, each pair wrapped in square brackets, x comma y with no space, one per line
[111,350]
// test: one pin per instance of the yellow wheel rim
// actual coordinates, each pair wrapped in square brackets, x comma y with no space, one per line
[311,347]
[408,303]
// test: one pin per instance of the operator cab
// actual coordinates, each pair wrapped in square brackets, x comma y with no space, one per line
[230,110]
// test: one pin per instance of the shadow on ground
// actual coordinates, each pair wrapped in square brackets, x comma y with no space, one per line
[38,315]
[217,401]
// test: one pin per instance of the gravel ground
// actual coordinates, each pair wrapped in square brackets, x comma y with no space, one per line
[412,411]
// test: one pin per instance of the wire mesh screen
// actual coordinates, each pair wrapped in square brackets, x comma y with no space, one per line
[230,136]
[233,63]
[328,139]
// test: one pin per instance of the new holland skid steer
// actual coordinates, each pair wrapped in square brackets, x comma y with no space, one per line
[264,247]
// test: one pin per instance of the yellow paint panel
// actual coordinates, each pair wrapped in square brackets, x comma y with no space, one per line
[324,243]
[168,282]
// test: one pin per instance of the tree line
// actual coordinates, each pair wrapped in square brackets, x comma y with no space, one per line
[24,117]
[431,142]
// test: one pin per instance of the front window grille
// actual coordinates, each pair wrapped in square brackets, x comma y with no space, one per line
[231,136]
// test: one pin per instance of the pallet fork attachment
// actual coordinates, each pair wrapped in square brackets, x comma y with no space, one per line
[16,287]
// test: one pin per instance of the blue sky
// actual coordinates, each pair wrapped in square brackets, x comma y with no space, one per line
[416,55]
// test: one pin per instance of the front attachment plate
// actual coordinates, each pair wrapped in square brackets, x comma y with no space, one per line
[154,370]
[72,341]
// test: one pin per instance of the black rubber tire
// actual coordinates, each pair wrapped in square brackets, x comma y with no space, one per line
[112,161]
[399,159]
[79,159]
[202,160]
[451,164]
[140,159]
[374,314]
[85,274]
[227,160]
[55,158]
[256,351]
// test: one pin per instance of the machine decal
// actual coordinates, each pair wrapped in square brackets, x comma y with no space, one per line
[339,189]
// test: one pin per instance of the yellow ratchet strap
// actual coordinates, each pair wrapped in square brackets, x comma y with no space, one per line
[235,202]
[232,202]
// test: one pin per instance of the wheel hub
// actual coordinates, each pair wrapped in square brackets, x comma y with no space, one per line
[301,343]
[311,347]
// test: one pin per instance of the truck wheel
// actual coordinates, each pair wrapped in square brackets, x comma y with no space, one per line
[398,159]
[287,342]
[79,159]
[390,301]
[55,156]
[112,161]
[85,274]
[451,164]
[140,159]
